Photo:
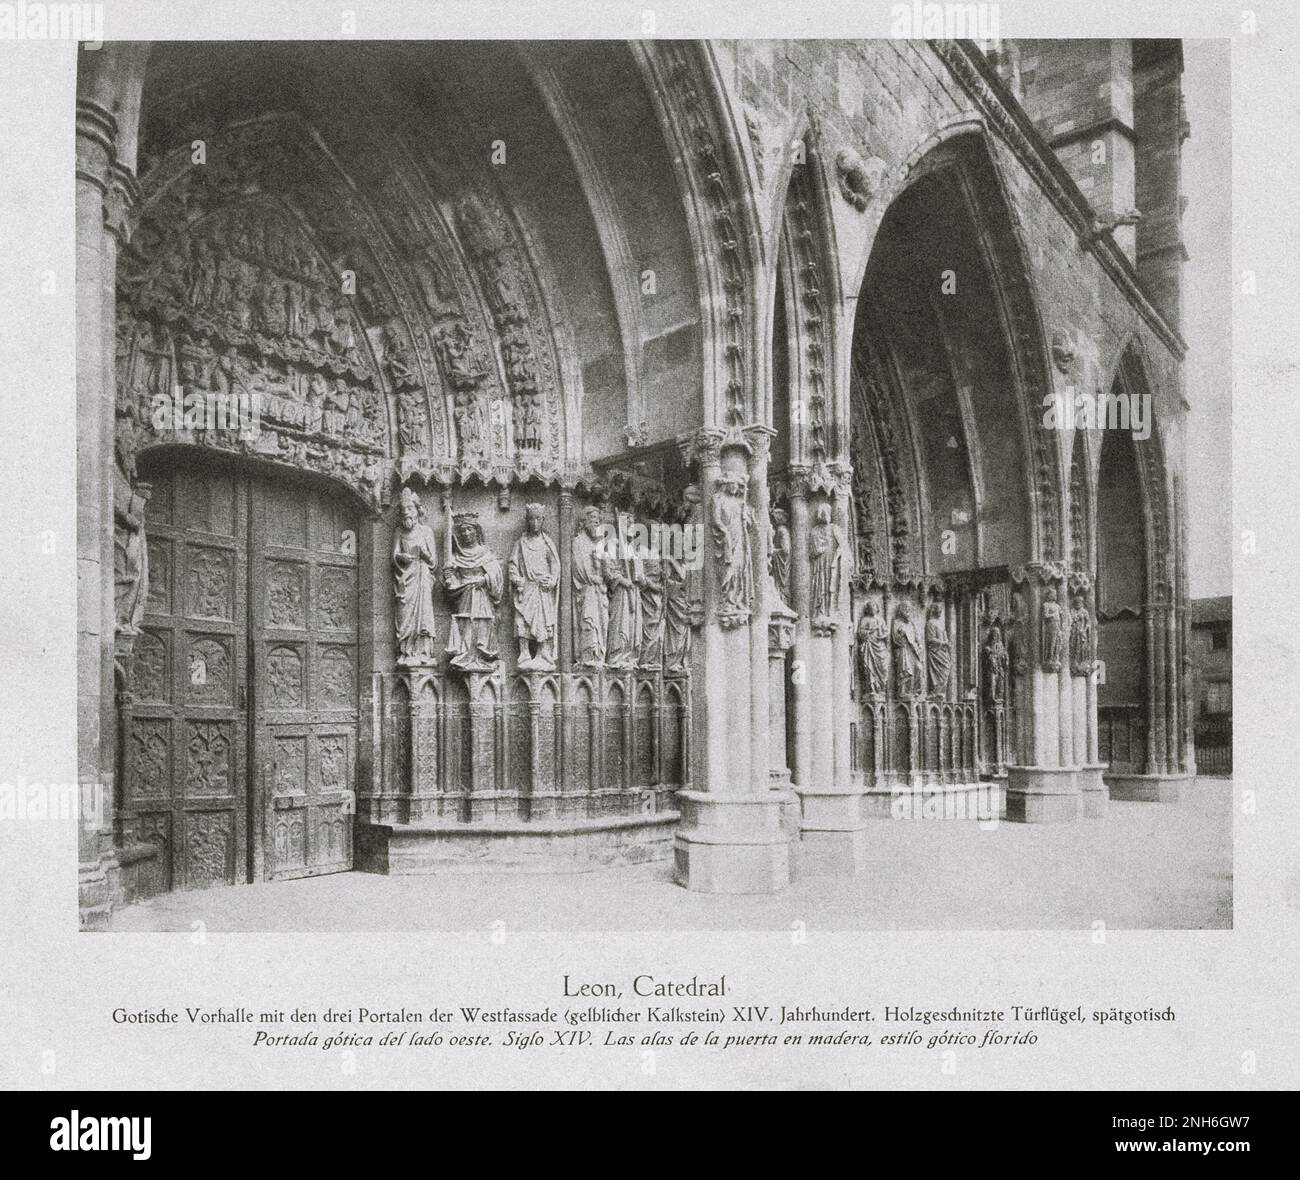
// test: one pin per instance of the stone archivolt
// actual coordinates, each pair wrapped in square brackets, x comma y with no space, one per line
[278,282]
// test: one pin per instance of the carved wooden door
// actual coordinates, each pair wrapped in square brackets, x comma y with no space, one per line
[185,770]
[304,639]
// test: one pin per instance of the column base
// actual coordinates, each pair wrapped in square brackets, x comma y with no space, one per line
[1093,796]
[1146,788]
[834,831]
[731,843]
[1042,794]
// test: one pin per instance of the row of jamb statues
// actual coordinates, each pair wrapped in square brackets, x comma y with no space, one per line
[918,667]
[630,611]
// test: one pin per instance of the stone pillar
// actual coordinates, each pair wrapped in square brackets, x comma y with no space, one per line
[780,632]
[842,638]
[759,439]
[106,189]
[1157,717]
[1093,792]
[1173,744]
[565,622]
[730,838]
[799,593]
[834,830]
[1046,791]
[1149,639]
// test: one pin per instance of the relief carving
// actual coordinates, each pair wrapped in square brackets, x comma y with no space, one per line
[130,555]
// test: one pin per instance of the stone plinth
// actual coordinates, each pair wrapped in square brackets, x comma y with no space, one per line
[1042,794]
[834,831]
[1146,788]
[1093,795]
[573,846]
[732,843]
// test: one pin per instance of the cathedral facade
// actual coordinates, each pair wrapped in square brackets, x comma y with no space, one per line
[537,456]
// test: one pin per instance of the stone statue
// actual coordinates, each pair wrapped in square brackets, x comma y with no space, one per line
[1050,631]
[778,554]
[824,560]
[694,572]
[590,593]
[873,649]
[907,652]
[535,587]
[938,650]
[996,661]
[411,416]
[456,347]
[130,555]
[474,582]
[733,529]
[1082,639]
[415,564]
[623,574]
[650,655]
[676,615]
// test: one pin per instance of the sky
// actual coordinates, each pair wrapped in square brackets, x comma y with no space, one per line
[1207,324]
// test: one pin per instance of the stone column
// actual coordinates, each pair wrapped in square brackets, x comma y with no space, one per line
[1093,792]
[780,632]
[1045,791]
[105,192]
[1173,744]
[565,622]
[1157,717]
[834,830]
[1149,639]
[799,593]
[730,838]
[759,439]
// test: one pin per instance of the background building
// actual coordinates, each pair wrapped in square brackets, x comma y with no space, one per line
[1211,655]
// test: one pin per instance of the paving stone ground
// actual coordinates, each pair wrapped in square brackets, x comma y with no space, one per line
[1144,866]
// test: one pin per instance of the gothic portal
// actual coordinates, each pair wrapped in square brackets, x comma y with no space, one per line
[542,456]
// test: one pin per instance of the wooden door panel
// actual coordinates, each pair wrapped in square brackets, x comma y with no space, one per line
[252,605]
[185,767]
[305,641]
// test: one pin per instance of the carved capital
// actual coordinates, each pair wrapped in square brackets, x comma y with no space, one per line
[780,629]
[759,440]
[702,447]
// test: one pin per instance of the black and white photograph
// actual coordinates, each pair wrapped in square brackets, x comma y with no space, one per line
[635,527]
